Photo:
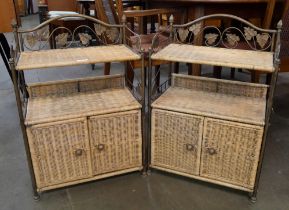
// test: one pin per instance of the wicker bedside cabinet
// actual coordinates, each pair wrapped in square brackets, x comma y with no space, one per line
[84,129]
[212,129]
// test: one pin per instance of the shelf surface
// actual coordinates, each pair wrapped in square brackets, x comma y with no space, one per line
[216,105]
[75,56]
[55,108]
[234,58]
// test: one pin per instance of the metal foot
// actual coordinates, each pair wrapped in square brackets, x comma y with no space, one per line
[253,197]
[36,196]
[144,174]
[92,66]
[149,172]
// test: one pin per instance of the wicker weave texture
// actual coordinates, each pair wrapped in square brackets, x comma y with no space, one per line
[60,152]
[75,56]
[116,141]
[247,59]
[230,152]
[49,109]
[68,87]
[176,141]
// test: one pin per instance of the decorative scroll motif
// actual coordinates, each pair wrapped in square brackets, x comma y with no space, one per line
[61,39]
[183,34]
[211,38]
[40,35]
[196,28]
[84,38]
[262,39]
[233,39]
[229,37]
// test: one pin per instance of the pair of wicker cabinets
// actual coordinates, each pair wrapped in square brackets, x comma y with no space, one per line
[86,129]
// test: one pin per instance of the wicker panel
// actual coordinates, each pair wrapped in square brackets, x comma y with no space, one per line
[68,87]
[60,152]
[75,56]
[116,141]
[176,141]
[220,86]
[230,152]
[247,59]
[60,88]
[101,83]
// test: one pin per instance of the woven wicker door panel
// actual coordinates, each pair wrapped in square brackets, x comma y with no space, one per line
[60,152]
[176,141]
[230,152]
[116,141]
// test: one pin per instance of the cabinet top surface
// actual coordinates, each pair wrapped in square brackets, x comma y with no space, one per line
[56,108]
[216,105]
[234,58]
[75,56]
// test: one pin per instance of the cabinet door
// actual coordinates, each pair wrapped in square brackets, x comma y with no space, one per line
[230,152]
[176,141]
[60,152]
[116,141]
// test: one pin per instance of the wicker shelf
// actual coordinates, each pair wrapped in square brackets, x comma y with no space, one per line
[75,56]
[55,108]
[213,104]
[247,59]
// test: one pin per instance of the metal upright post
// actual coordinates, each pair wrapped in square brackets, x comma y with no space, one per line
[23,128]
[253,195]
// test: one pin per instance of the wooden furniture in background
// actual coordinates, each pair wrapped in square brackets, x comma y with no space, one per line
[284,53]
[106,12]
[8,13]
[63,5]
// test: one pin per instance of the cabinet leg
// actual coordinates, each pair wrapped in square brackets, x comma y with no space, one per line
[36,196]
[253,197]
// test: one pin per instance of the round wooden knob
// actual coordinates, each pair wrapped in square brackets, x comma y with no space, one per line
[212,151]
[190,147]
[100,147]
[78,152]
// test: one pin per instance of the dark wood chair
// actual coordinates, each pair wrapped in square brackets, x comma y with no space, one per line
[110,13]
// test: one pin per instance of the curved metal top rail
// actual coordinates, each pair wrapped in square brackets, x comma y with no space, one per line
[69,16]
[224,16]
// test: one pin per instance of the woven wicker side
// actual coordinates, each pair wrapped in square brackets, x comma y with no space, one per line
[230,152]
[59,88]
[60,152]
[243,89]
[176,141]
[67,87]
[116,141]
[99,83]
[220,86]
[194,83]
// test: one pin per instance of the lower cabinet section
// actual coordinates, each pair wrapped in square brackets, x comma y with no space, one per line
[219,151]
[231,152]
[176,141]
[115,142]
[60,152]
[80,149]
